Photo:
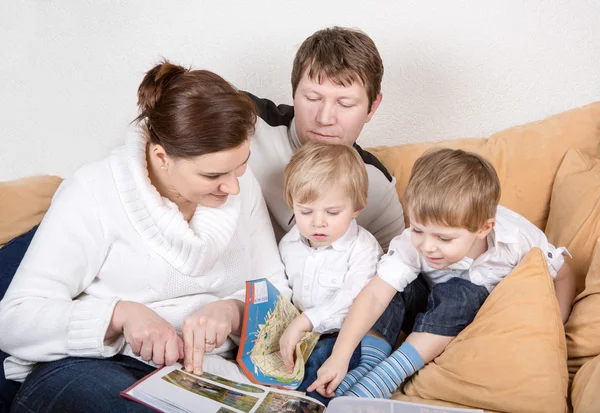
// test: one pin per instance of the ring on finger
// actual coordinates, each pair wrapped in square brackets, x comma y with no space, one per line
[210,343]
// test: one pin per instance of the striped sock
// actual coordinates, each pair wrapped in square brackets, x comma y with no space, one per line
[385,378]
[373,351]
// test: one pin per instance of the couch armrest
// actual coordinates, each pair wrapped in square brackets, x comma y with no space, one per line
[23,203]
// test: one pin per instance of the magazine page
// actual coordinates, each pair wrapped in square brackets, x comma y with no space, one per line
[172,389]
[355,405]
[267,314]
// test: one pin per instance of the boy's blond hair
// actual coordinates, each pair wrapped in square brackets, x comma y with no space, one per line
[317,167]
[453,188]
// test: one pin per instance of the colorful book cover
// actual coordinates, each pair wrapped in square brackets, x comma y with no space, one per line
[267,314]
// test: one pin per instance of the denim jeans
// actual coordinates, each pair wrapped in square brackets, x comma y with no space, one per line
[451,307]
[81,385]
[11,256]
[446,309]
[319,355]
[8,388]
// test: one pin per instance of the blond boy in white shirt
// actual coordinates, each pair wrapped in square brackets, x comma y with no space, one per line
[460,245]
[328,258]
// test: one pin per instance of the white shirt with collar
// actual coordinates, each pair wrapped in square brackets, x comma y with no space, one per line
[326,280]
[511,239]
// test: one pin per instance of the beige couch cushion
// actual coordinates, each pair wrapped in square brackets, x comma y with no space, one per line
[526,157]
[512,358]
[574,220]
[584,393]
[23,203]
[583,327]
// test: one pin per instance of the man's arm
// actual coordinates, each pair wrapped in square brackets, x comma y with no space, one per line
[383,217]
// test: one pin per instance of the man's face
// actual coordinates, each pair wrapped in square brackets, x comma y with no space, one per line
[331,113]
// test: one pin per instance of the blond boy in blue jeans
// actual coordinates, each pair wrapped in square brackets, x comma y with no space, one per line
[328,258]
[460,245]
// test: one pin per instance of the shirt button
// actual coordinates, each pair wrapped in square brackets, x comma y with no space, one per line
[334,280]
[306,287]
[549,255]
[390,253]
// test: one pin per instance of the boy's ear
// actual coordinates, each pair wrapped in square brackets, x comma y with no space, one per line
[355,213]
[486,228]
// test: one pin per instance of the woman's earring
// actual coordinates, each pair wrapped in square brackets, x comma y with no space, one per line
[162,167]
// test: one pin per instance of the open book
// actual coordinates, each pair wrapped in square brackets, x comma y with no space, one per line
[267,314]
[173,389]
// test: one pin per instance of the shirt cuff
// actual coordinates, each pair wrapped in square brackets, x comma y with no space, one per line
[555,259]
[239,295]
[323,324]
[314,317]
[89,321]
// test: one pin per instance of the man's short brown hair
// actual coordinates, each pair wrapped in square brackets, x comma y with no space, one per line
[453,188]
[343,56]
[317,167]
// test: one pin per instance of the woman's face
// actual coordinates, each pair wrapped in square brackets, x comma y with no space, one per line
[208,179]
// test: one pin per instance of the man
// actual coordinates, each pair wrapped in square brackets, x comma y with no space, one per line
[336,86]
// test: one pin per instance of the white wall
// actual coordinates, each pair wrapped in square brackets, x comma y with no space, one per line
[69,70]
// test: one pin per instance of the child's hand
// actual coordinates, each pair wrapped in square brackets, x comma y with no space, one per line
[290,337]
[329,376]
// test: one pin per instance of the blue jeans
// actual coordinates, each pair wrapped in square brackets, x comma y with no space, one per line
[11,256]
[81,385]
[451,307]
[319,355]
[388,325]
[445,310]
[8,388]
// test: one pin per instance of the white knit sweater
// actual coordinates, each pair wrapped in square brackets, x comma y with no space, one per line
[110,236]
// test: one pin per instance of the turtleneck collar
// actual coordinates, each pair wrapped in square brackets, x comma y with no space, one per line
[191,248]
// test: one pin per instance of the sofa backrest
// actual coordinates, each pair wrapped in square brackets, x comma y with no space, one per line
[526,157]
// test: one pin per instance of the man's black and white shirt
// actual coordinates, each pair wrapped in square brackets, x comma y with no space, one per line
[272,147]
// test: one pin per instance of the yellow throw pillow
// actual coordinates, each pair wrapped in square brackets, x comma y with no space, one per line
[583,327]
[526,157]
[512,357]
[574,220]
[23,203]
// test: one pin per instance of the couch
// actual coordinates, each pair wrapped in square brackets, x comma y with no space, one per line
[516,356]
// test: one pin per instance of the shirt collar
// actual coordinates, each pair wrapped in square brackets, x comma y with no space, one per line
[341,244]
[504,232]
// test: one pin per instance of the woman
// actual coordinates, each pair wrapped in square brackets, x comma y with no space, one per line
[143,256]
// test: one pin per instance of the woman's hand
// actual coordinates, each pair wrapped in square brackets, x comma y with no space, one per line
[290,337]
[150,336]
[208,329]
